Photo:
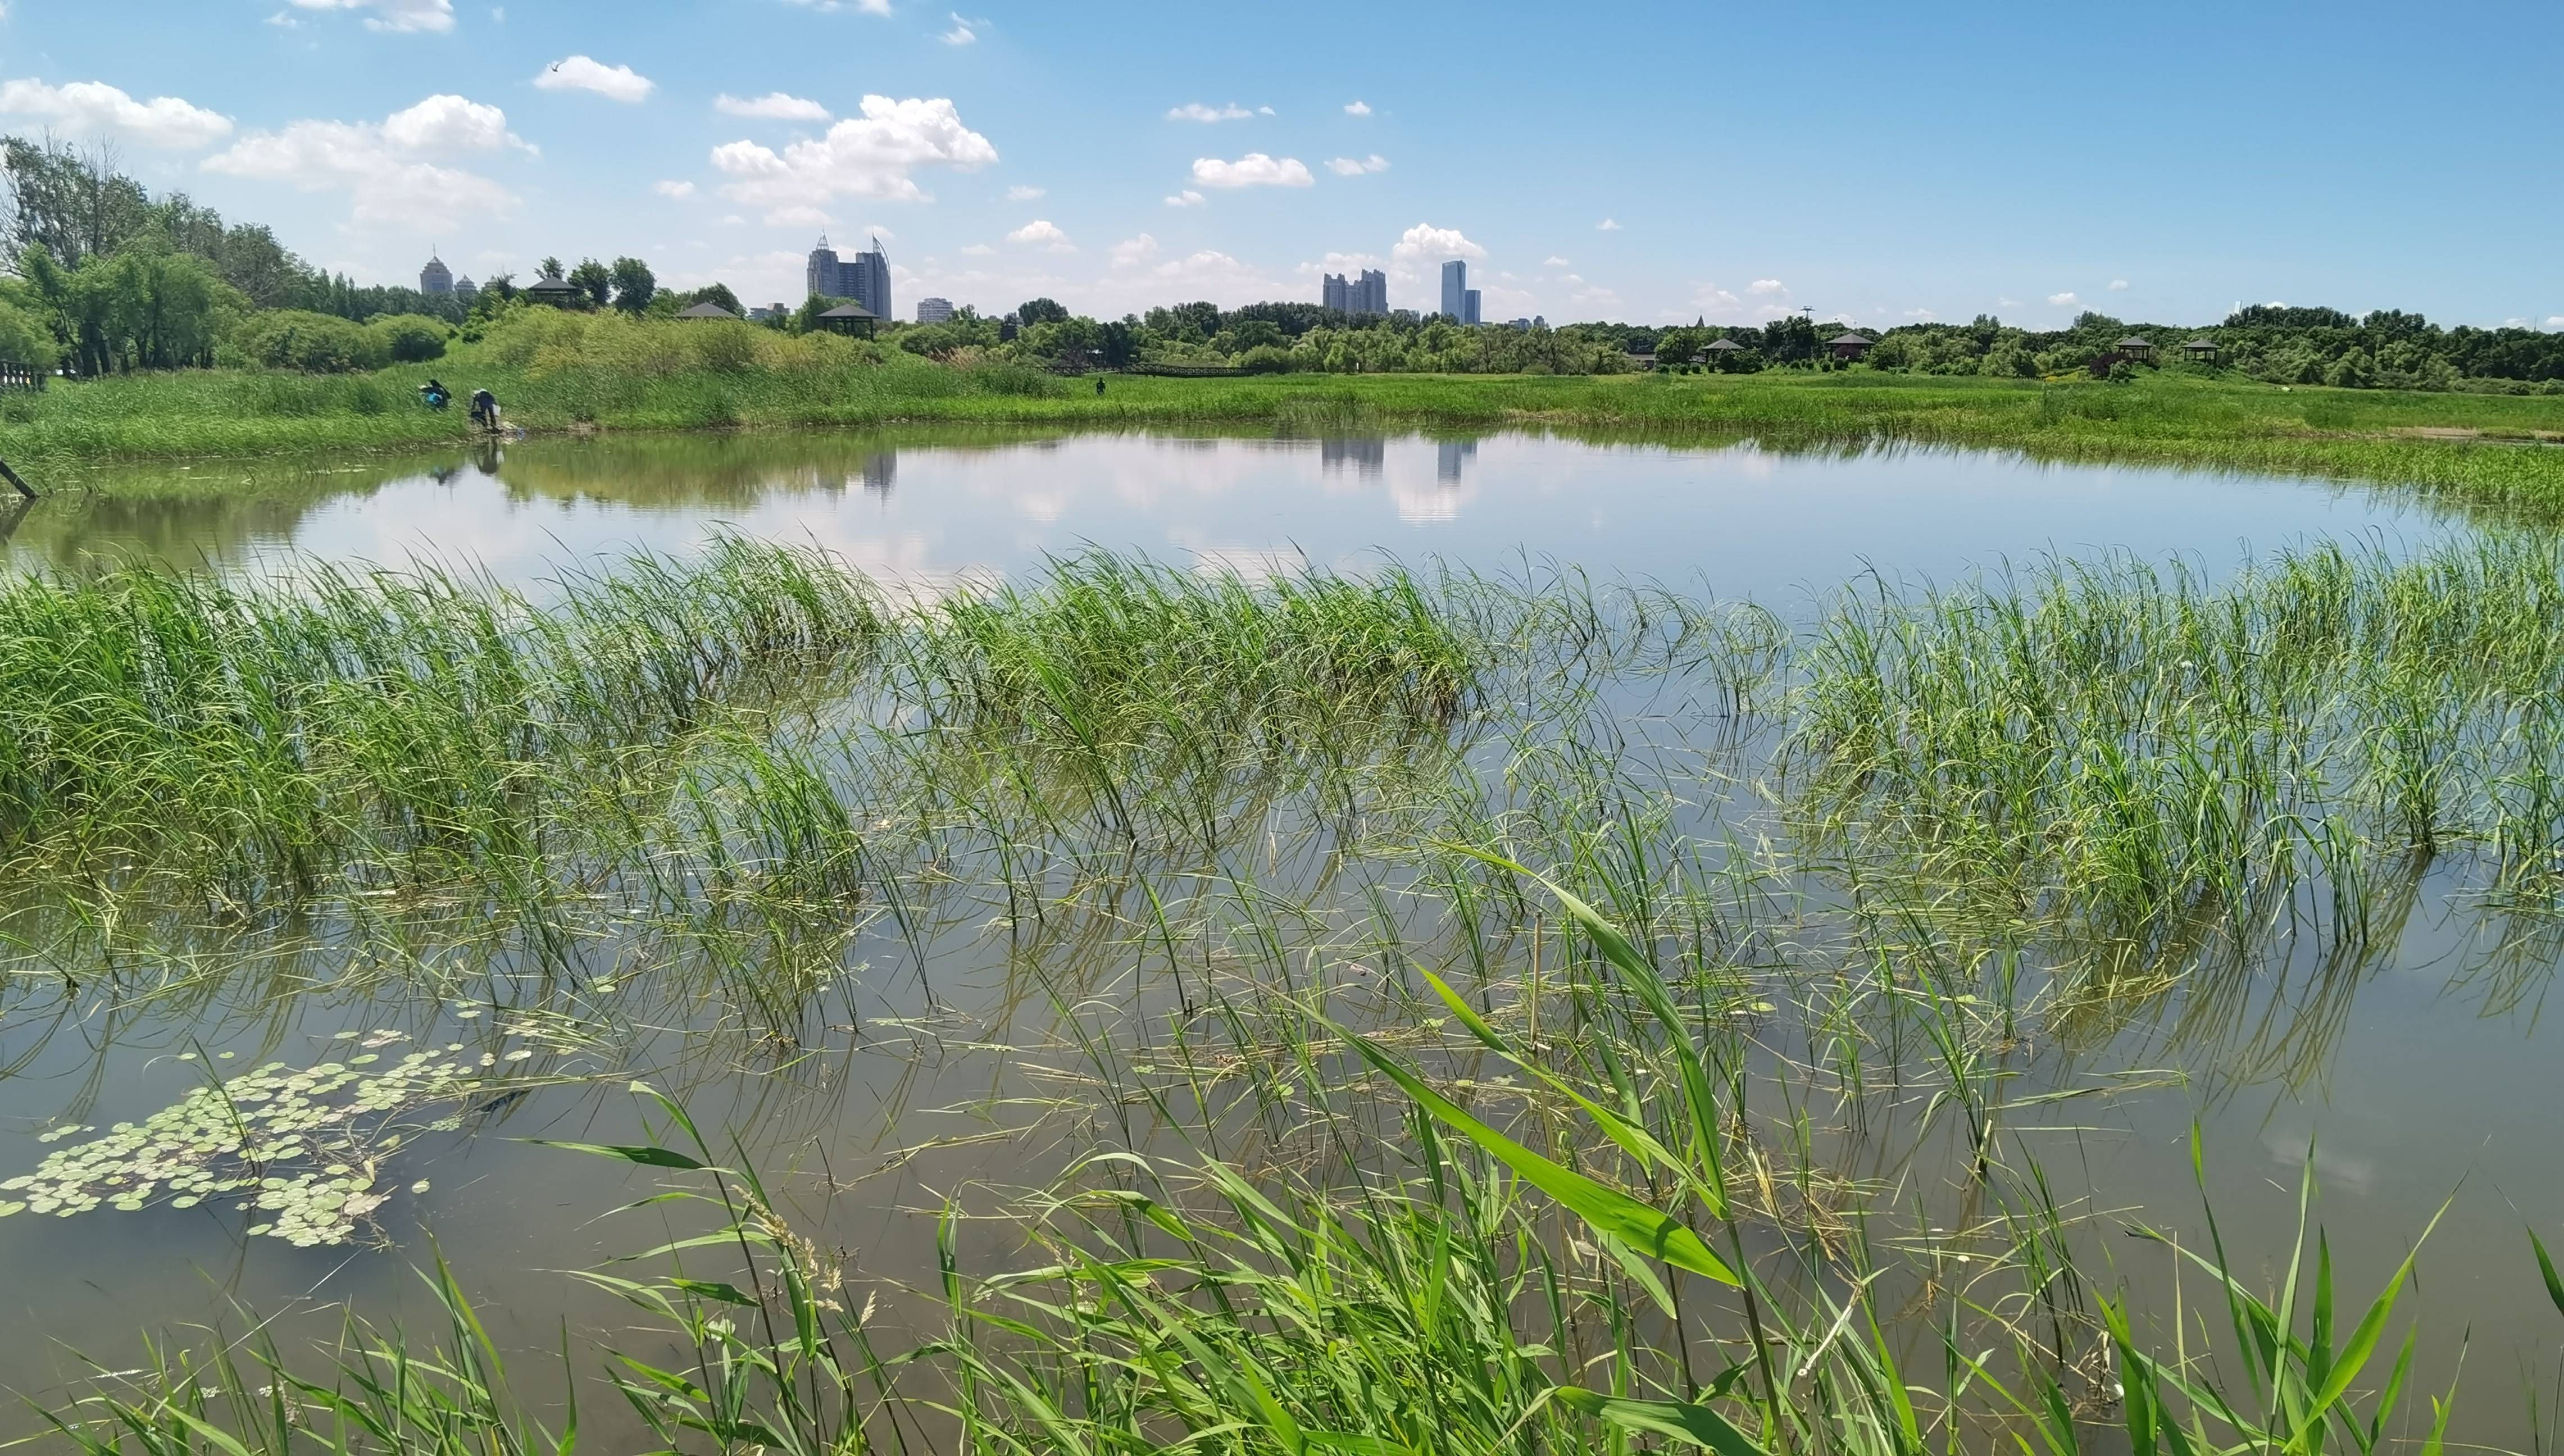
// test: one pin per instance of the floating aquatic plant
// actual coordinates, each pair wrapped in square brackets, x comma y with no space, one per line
[304,1148]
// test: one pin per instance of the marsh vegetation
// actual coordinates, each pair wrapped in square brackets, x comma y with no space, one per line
[1414,1010]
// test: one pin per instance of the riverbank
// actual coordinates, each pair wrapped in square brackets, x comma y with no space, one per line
[2484,449]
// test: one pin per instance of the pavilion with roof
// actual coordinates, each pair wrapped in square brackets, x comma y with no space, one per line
[850,318]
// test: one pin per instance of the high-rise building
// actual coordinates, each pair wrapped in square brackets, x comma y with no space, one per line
[466,290]
[1469,306]
[934,311]
[864,278]
[1367,294]
[435,279]
[1455,289]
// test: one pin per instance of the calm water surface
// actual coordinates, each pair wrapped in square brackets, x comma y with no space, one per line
[1739,520]
[2412,1073]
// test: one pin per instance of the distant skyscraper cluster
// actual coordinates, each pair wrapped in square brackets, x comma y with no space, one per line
[864,278]
[1367,294]
[437,282]
[934,311]
[1459,301]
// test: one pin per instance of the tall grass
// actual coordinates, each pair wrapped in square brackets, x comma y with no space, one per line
[1715,1134]
[1424,1280]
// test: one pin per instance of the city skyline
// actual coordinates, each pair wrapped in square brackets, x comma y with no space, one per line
[864,278]
[985,156]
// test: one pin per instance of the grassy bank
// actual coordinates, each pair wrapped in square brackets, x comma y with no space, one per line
[587,374]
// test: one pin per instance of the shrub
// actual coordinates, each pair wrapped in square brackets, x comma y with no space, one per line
[409,339]
[314,344]
[1265,358]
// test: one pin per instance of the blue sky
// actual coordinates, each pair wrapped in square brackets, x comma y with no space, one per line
[1640,162]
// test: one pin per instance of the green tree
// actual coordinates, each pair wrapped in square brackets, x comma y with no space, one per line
[634,284]
[714,293]
[24,340]
[548,268]
[1040,310]
[594,279]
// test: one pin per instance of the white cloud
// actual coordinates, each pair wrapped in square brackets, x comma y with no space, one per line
[2555,320]
[830,7]
[2062,299]
[1043,232]
[1764,298]
[1356,109]
[1186,198]
[2000,302]
[867,157]
[92,109]
[2118,284]
[679,190]
[1919,314]
[1022,194]
[1428,243]
[2514,324]
[732,220]
[1254,170]
[796,215]
[1132,252]
[1197,112]
[775,105]
[1606,225]
[580,72]
[394,15]
[964,32]
[450,124]
[384,166]
[1348,166]
[1554,260]
[979,250]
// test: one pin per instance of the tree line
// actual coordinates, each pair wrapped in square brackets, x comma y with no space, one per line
[100,276]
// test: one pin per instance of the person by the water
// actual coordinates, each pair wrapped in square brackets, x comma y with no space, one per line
[1099,384]
[484,409]
[435,393]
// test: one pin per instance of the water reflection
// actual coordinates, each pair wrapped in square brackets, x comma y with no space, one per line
[1740,518]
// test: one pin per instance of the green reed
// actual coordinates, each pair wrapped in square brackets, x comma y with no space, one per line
[1719,1136]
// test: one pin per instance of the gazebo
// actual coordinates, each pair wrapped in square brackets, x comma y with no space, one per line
[1723,345]
[2202,348]
[2140,349]
[707,310]
[558,292]
[850,318]
[1850,346]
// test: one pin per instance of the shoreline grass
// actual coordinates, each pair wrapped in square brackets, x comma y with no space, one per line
[2481,449]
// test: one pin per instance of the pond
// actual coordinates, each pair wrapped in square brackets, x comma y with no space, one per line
[391,1048]
[937,504]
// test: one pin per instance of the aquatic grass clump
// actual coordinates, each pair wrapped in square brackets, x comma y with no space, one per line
[2111,742]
